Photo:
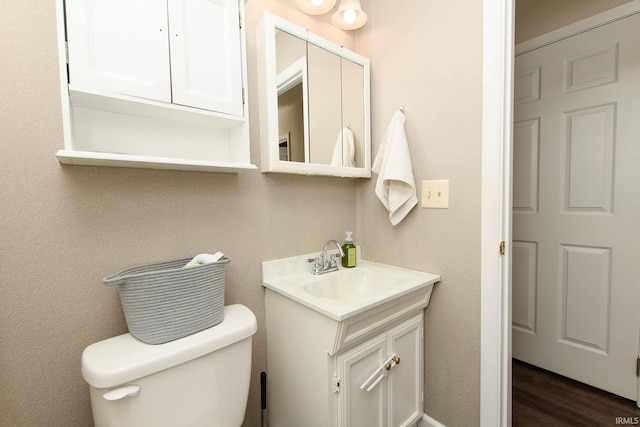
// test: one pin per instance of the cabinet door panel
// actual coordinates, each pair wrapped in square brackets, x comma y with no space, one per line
[119,46]
[405,379]
[356,407]
[206,65]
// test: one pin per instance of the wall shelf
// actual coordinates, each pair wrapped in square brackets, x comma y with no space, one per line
[89,158]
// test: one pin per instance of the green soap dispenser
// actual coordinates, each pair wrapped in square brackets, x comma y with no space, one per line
[349,249]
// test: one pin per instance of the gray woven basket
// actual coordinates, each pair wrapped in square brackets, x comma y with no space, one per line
[163,302]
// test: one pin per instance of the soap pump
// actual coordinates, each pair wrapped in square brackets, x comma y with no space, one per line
[349,249]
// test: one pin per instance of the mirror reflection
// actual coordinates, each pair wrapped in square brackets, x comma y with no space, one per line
[291,68]
[321,104]
[318,84]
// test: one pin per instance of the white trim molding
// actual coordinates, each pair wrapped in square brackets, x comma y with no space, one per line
[427,421]
[497,123]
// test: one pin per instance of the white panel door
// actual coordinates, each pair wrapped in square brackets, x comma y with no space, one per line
[576,292]
[119,46]
[206,67]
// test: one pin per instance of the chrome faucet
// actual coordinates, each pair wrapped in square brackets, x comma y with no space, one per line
[327,263]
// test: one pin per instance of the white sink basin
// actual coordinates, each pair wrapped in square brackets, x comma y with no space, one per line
[354,283]
[344,293]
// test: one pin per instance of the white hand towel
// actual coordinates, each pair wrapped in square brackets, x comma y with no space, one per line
[396,187]
[344,153]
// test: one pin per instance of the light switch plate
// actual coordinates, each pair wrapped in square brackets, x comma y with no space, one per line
[435,194]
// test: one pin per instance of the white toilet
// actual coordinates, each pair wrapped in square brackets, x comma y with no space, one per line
[199,380]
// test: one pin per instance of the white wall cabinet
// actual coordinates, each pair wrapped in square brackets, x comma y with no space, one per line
[316,365]
[119,46]
[206,71]
[154,83]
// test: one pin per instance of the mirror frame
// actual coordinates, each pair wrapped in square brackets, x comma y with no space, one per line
[268,98]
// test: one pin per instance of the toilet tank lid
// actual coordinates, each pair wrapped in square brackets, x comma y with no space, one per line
[121,359]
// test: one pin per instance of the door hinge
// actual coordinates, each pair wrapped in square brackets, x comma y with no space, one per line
[66,52]
[502,248]
[336,384]
[638,366]
[242,96]
[240,19]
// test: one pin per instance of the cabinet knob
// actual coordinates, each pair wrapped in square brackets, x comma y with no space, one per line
[395,360]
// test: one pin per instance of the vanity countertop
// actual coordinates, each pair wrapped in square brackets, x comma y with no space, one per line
[347,292]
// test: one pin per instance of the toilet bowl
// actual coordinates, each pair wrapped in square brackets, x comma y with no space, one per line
[199,380]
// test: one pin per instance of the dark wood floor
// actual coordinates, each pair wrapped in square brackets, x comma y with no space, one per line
[542,398]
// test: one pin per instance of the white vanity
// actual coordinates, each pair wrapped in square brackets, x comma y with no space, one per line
[344,348]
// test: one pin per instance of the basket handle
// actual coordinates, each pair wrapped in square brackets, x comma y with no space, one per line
[116,279]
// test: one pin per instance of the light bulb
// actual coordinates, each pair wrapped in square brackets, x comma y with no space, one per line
[317,3]
[349,16]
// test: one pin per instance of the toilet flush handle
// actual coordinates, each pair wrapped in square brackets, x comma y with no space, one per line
[122,392]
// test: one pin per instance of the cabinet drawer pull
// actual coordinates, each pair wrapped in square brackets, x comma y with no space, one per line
[380,373]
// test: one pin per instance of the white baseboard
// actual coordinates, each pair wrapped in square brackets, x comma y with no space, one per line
[427,421]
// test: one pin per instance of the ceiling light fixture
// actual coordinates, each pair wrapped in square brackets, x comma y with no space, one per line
[316,7]
[349,16]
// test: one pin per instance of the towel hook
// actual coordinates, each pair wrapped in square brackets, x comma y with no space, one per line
[349,126]
[402,109]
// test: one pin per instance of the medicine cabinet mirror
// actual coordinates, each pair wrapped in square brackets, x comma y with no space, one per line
[314,111]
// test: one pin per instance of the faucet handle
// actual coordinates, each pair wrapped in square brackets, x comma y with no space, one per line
[333,262]
[317,266]
[317,261]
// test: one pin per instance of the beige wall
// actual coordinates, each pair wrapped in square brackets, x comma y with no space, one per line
[428,59]
[536,17]
[64,228]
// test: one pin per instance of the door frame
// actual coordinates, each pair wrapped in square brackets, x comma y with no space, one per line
[497,127]
[495,293]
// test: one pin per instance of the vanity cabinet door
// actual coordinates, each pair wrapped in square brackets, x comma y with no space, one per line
[206,64]
[396,400]
[405,380]
[356,407]
[119,46]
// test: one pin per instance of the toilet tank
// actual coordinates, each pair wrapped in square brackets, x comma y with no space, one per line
[199,380]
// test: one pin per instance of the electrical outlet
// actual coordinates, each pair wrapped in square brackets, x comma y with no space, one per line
[435,194]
